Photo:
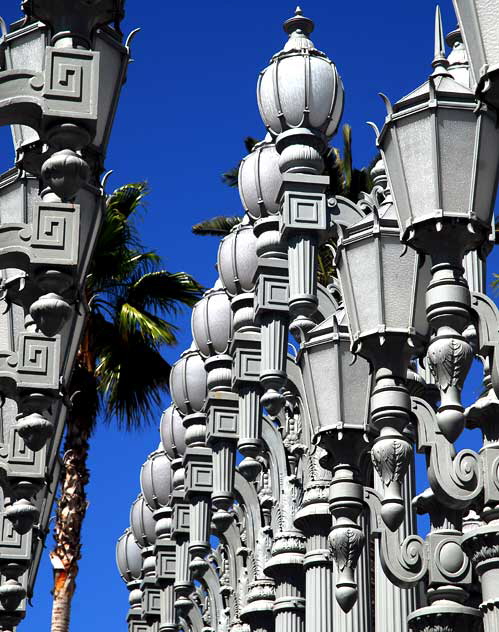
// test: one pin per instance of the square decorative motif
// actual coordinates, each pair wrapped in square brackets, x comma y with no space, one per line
[272,293]
[13,546]
[56,233]
[38,361]
[181,518]
[304,211]
[151,597]
[165,565]
[222,421]
[201,478]
[71,82]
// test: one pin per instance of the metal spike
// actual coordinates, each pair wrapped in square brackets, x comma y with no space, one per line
[439,58]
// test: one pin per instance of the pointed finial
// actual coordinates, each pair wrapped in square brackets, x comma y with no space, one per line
[299,22]
[440,62]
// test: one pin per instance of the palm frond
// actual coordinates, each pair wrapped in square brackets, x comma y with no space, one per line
[161,290]
[334,169]
[150,327]
[132,380]
[249,143]
[218,226]
[230,177]
[128,198]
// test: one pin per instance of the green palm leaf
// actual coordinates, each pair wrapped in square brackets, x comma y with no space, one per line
[217,226]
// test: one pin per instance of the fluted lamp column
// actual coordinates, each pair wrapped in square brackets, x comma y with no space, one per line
[237,265]
[212,332]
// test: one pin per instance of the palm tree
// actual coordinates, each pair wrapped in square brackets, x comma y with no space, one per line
[120,372]
[344,179]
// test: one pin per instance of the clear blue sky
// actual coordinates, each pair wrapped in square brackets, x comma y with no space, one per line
[188,104]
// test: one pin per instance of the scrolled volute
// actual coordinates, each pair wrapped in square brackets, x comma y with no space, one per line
[405,563]
[455,480]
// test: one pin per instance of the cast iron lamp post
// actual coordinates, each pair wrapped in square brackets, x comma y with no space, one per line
[61,73]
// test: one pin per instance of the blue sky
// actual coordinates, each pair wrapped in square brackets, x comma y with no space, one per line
[188,103]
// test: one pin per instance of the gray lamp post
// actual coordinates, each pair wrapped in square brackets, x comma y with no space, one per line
[143,529]
[300,97]
[188,386]
[338,399]
[424,133]
[237,264]
[61,76]
[173,440]
[259,184]
[212,332]
[156,486]
[387,326]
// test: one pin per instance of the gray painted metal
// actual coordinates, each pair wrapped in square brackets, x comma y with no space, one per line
[328,432]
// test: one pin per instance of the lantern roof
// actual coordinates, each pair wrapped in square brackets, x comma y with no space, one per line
[441,82]
[378,205]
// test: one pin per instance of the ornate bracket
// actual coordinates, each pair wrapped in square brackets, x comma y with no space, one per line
[456,479]
[405,563]
[487,320]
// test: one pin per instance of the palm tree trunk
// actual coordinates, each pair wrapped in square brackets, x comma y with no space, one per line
[71,509]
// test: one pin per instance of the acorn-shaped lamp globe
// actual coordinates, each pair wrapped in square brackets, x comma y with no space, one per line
[237,264]
[129,563]
[142,523]
[156,480]
[259,180]
[212,332]
[301,87]
[188,387]
[172,433]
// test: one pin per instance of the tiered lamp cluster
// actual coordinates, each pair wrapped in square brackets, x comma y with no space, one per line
[281,497]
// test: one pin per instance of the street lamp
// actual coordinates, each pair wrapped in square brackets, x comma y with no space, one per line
[212,332]
[337,391]
[383,287]
[444,196]
[188,386]
[237,265]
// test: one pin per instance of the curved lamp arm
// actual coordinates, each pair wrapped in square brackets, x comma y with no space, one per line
[456,479]
[405,563]
[487,318]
